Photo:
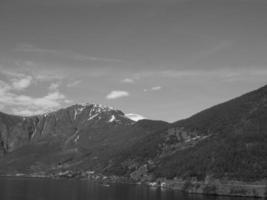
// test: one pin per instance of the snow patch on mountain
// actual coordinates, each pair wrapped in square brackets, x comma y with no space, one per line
[98,107]
[81,109]
[93,116]
[134,117]
[76,139]
[75,114]
[113,118]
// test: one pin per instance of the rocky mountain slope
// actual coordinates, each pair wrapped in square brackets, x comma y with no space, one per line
[80,137]
[226,141]
[67,123]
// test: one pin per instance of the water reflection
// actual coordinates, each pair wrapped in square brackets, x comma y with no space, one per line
[14,188]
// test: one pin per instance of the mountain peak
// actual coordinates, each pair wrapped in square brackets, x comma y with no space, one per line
[100,106]
[98,111]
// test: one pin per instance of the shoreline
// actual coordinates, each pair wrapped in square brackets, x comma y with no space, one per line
[219,188]
[214,187]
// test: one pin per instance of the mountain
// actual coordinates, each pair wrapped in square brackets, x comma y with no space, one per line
[80,137]
[227,141]
[66,123]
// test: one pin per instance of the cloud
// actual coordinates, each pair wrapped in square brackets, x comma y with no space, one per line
[4,87]
[156,88]
[28,48]
[22,83]
[134,117]
[128,80]
[115,94]
[47,77]
[28,105]
[37,70]
[53,86]
[205,53]
[223,74]
[18,81]
[74,83]
[13,100]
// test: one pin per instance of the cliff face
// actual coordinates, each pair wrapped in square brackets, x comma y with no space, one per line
[80,137]
[13,133]
[64,124]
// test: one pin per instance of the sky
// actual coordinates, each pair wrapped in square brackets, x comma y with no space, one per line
[162,59]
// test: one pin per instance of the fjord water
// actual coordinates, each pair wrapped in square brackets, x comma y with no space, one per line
[18,188]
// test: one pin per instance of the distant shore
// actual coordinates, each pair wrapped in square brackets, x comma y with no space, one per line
[210,187]
[220,188]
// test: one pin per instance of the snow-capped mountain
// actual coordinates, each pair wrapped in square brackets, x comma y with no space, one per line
[96,112]
[65,123]
[83,136]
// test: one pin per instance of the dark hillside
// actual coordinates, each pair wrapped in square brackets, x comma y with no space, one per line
[245,112]
[236,148]
[225,141]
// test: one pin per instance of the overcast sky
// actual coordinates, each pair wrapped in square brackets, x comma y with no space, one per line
[162,59]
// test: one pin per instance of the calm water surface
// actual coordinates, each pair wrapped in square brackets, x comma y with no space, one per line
[17,188]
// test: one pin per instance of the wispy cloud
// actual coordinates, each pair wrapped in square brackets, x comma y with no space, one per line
[28,48]
[155,88]
[224,74]
[11,97]
[27,105]
[19,81]
[4,87]
[205,53]
[115,94]
[54,86]
[128,80]
[18,69]
[74,83]
[22,83]
[47,77]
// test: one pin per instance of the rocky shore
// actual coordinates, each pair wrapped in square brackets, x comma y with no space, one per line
[216,187]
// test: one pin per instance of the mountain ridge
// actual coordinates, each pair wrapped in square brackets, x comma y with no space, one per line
[46,123]
[225,142]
